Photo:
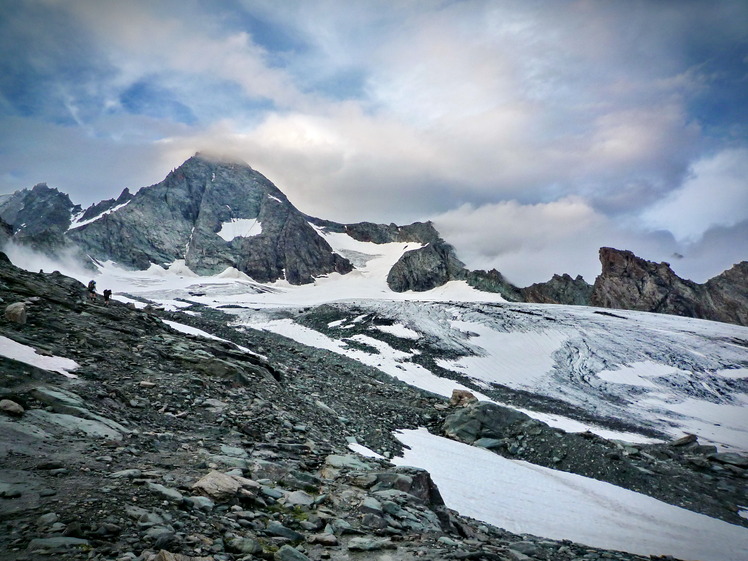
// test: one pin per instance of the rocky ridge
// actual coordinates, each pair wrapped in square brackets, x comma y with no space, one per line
[181,447]
[632,283]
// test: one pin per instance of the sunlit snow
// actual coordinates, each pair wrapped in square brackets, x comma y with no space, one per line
[75,223]
[240,228]
[23,353]
[526,498]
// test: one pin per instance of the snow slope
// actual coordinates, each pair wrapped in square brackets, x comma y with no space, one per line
[525,498]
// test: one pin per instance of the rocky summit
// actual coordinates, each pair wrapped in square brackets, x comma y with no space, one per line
[124,439]
[213,215]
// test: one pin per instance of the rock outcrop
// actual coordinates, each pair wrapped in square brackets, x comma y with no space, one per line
[728,293]
[425,268]
[629,282]
[561,289]
[494,281]
[6,232]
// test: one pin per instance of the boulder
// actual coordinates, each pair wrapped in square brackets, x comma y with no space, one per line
[16,313]
[10,408]
[222,486]
[481,420]
[288,553]
[461,398]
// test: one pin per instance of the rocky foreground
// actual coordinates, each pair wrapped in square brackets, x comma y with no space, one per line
[175,447]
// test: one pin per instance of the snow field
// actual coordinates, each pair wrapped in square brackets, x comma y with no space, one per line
[525,498]
[23,353]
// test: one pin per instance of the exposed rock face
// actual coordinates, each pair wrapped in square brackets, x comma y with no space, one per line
[728,293]
[39,217]
[6,231]
[213,215]
[494,281]
[629,282]
[425,268]
[561,289]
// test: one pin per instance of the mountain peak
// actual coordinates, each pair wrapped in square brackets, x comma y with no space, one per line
[218,158]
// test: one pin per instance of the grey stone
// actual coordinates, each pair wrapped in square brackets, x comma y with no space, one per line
[16,312]
[730,458]
[94,428]
[288,553]
[372,505]
[11,408]
[275,528]
[481,420]
[370,544]
[126,473]
[243,545]
[299,498]
[489,443]
[57,544]
[234,451]
[348,461]
[221,486]
[167,492]
[325,539]
[47,519]
[200,503]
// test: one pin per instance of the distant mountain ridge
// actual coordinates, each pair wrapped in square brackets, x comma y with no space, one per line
[216,214]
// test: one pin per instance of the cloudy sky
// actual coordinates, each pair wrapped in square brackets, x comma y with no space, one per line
[531,132]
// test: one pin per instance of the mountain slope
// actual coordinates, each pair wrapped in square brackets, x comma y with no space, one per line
[213,215]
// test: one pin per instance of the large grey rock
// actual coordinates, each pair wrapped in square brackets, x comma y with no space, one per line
[104,428]
[481,420]
[58,544]
[222,486]
[10,407]
[288,553]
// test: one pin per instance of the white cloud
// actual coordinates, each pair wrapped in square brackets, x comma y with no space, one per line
[715,194]
[529,243]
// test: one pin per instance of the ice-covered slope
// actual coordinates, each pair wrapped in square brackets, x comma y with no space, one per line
[659,374]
